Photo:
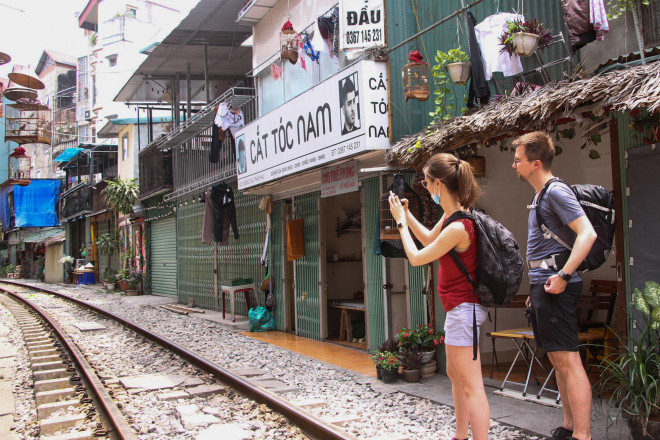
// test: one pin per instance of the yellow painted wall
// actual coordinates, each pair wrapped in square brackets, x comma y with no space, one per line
[127,166]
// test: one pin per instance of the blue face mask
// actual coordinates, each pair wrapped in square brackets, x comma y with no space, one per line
[435,198]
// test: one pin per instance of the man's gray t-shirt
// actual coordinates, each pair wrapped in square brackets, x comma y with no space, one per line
[558,208]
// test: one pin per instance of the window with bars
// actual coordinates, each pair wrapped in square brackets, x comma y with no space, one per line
[651,23]
[83,85]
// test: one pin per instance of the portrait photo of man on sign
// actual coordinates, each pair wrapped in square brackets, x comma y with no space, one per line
[349,102]
[240,154]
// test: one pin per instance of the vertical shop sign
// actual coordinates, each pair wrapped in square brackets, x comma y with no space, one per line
[361,23]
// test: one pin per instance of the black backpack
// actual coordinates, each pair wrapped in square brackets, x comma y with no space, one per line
[598,205]
[499,265]
[499,262]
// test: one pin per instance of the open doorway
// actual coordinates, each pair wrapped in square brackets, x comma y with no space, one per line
[344,275]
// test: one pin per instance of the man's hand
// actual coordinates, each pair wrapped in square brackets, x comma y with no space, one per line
[555,284]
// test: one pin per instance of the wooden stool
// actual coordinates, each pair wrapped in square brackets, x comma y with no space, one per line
[345,327]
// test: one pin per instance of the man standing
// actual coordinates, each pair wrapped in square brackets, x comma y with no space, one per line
[348,106]
[555,284]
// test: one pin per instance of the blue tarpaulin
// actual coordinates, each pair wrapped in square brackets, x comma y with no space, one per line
[68,154]
[34,204]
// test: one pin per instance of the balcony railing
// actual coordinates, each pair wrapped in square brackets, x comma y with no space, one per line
[99,201]
[155,172]
[76,202]
[61,146]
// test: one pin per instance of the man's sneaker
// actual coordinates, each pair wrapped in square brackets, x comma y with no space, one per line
[561,433]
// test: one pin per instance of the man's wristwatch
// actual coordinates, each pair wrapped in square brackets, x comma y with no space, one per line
[564,276]
[400,225]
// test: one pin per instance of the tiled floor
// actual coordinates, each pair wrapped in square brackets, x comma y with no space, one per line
[344,357]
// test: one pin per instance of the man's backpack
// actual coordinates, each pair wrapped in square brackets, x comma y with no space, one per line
[499,262]
[598,205]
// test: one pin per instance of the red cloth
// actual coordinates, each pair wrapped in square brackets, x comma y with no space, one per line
[453,287]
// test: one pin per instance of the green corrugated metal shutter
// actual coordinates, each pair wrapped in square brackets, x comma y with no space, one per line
[277,265]
[308,322]
[195,259]
[375,293]
[416,284]
[163,257]
[412,116]
[242,257]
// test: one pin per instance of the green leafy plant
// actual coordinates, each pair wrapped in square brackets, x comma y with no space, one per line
[386,360]
[631,375]
[122,194]
[109,275]
[5,271]
[410,358]
[408,338]
[616,8]
[528,26]
[107,244]
[446,102]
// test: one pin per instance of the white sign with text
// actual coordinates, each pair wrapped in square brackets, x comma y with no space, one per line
[361,24]
[339,179]
[344,115]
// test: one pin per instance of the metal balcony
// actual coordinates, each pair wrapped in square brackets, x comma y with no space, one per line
[155,172]
[76,202]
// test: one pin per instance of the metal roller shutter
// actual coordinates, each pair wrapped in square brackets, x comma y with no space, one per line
[163,257]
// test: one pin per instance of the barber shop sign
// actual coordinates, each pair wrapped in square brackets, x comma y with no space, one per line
[343,116]
[361,24]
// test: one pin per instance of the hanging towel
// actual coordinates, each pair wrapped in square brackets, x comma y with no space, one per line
[488,34]
[229,118]
[295,239]
[479,91]
[598,18]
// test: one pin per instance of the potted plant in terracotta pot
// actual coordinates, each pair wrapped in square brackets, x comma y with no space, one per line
[524,37]
[631,375]
[134,279]
[122,278]
[411,363]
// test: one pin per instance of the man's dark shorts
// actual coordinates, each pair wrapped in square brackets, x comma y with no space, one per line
[554,317]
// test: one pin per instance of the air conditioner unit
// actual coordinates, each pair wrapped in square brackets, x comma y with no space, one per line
[88,115]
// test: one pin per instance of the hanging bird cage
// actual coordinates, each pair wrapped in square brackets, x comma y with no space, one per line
[19,167]
[289,43]
[415,76]
[387,224]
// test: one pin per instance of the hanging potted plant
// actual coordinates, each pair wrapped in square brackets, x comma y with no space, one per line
[525,37]
[456,62]
[631,375]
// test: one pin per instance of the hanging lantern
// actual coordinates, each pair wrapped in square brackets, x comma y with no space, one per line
[288,43]
[19,167]
[415,77]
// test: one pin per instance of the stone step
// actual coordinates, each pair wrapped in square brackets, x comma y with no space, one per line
[57,373]
[54,424]
[312,403]
[77,435]
[342,419]
[51,384]
[48,366]
[47,409]
[55,395]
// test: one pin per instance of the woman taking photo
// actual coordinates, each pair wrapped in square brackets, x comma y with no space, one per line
[452,185]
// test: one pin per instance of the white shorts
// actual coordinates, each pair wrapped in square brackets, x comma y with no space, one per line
[458,324]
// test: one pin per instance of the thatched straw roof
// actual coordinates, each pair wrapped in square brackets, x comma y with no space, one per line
[624,90]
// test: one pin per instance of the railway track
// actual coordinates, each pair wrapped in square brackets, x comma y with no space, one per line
[95,401]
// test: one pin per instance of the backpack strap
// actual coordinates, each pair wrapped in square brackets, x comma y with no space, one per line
[547,233]
[454,256]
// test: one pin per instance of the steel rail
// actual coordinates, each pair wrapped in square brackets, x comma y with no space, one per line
[306,421]
[110,414]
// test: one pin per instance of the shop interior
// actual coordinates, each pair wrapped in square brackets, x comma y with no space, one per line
[344,271]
